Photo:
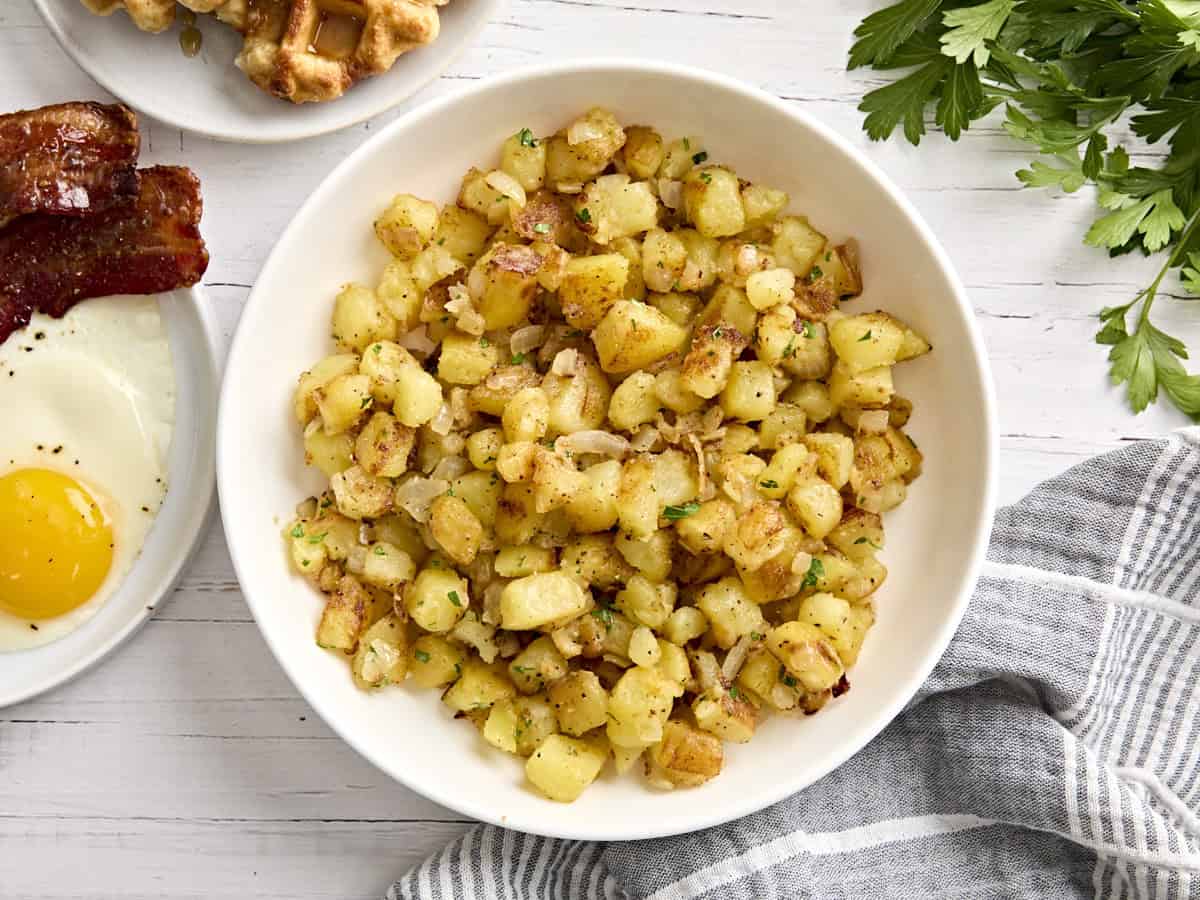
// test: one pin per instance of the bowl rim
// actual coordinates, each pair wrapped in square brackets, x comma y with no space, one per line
[300,131]
[478,808]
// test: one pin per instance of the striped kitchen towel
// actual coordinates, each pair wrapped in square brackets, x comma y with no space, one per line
[1053,753]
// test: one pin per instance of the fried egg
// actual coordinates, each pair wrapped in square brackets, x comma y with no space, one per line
[88,404]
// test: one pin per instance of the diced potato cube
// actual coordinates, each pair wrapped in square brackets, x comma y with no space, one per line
[462,233]
[407,225]
[703,253]
[837,620]
[673,395]
[729,306]
[455,528]
[331,453]
[483,448]
[643,151]
[858,535]
[359,495]
[664,256]
[516,520]
[729,716]
[797,244]
[713,201]
[776,479]
[342,402]
[480,686]
[646,602]
[685,624]
[770,288]
[305,402]
[382,655]
[400,295]
[593,559]
[616,208]
[835,456]
[527,416]
[807,654]
[503,283]
[709,362]
[594,506]
[762,204]
[570,163]
[638,503]
[633,335]
[359,318]
[387,566]
[680,308]
[680,155]
[481,198]
[344,616]
[867,341]
[546,599]
[590,286]
[638,707]
[435,661]
[466,359]
[749,394]
[634,402]
[578,401]
[817,506]
[418,396]
[813,398]
[383,446]
[643,647]
[580,702]
[706,530]
[913,346]
[729,611]
[523,157]
[563,767]
[870,387]
[437,599]
[785,425]
[517,562]
[686,757]
[651,555]
[538,665]
[738,259]
[555,480]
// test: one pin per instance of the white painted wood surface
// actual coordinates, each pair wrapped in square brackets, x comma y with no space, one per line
[186,765]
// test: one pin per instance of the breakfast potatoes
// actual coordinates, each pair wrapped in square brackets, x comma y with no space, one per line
[607,461]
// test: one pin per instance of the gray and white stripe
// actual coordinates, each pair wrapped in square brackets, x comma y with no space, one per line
[1078,667]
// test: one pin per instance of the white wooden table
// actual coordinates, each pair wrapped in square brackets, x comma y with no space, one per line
[187,765]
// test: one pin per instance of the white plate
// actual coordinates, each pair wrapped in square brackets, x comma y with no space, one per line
[209,94]
[935,541]
[178,527]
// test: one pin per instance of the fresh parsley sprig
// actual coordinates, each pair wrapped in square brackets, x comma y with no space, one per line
[1068,72]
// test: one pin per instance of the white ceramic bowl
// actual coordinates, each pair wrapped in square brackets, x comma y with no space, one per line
[180,524]
[935,541]
[209,95]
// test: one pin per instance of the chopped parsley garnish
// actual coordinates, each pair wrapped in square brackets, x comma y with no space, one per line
[770,484]
[675,513]
[484,342]
[865,337]
[522,669]
[790,350]
[298,531]
[604,614]
[317,538]
[700,157]
[379,551]
[716,333]
[366,401]
[706,177]
[687,145]
[786,678]
[525,136]
[518,358]
[377,349]
[453,595]
[733,691]
[583,215]
[542,227]
[816,569]
[421,656]
[757,635]
[809,331]
[815,272]
[867,540]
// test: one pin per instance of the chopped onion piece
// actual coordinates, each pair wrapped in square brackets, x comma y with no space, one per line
[506,185]
[527,338]
[670,192]
[603,443]
[467,316]
[736,658]
[418,340]
[416,495]
[450,467]
[570,187]
[566,362]
[583,130]
[708,673]
[644,439]
[873,421]
[443,421]
[801,563]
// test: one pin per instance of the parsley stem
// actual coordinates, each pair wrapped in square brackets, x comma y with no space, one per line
[1149,294]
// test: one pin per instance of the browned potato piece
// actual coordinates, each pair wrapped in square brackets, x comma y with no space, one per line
[633,335]
[685,757]
[455,528]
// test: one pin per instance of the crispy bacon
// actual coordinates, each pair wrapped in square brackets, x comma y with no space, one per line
[72,159]
[151,245]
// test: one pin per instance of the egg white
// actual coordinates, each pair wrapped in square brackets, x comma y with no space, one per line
[91,395]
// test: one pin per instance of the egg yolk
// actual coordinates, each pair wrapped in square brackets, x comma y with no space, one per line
[56,545]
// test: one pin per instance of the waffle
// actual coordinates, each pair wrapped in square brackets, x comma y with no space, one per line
[304,50]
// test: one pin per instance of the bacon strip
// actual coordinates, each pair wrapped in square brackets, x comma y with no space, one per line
[152,245]
[72,159]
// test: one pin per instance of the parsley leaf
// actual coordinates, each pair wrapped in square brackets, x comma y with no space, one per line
[972,28]
[816,570]
[454,598]
[675,513]
[525,136]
